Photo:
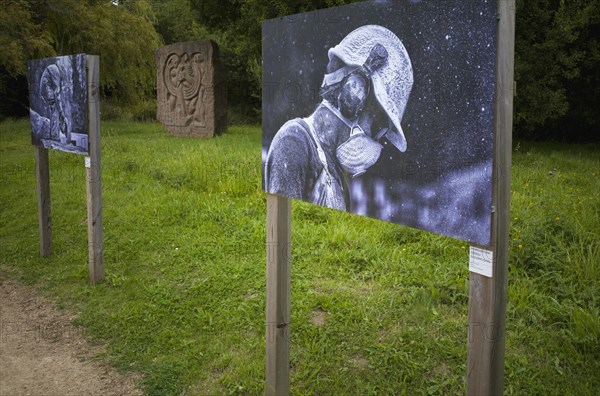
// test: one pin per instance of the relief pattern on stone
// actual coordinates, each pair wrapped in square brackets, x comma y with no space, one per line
[191,89]
[186,93]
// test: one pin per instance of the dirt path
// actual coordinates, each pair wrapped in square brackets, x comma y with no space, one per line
[41,353]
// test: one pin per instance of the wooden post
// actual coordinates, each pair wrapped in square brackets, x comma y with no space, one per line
[279,224]
[42,170]
[93,174]
[487,296]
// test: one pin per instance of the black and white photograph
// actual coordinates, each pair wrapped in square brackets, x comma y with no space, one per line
[58,103]
[384,109]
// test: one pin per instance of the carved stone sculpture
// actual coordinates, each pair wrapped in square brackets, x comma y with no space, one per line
[191,89]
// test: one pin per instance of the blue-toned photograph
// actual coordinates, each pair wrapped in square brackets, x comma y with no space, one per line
[385,109]
[58,103]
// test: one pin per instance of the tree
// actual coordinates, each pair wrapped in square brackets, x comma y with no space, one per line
[175,21]
[123,36]
[21,38]
[236,26]
[554,52]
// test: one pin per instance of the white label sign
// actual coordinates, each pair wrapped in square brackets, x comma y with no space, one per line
[88,162]
[481,261]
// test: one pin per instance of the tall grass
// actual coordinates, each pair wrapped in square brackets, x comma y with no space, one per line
[376,308]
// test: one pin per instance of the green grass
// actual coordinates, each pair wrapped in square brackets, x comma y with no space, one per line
[376,308]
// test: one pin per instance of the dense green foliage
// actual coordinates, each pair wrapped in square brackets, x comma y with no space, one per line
[557,68]
[557,52]
[123,36]
[376,308]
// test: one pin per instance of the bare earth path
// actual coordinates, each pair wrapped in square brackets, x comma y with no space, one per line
[41,353]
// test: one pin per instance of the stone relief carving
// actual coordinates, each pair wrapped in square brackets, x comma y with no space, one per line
[191,89]
[187,95]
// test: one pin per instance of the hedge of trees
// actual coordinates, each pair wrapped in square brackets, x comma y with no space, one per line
[557,52]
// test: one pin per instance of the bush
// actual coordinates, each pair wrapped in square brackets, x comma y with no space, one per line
[113,111]
[145,110]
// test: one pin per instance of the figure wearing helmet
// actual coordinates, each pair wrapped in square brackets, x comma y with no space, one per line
[365,91]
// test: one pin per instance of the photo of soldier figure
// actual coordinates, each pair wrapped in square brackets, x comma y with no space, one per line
[364,94]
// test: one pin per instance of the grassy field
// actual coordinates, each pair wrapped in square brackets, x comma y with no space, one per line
[376,308]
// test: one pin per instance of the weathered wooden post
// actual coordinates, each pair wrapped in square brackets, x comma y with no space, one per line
[94,174]
[487,295]
[279,221]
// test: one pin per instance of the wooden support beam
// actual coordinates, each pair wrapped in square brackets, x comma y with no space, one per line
[487,296]
[279,224]
[94,174]
[42,171]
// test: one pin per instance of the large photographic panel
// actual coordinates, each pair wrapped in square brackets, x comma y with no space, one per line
[58,103]
[397,98]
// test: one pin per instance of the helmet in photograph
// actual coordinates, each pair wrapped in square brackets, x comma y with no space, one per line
[392,82]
